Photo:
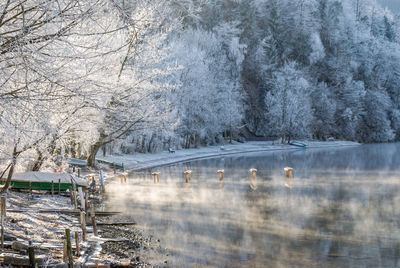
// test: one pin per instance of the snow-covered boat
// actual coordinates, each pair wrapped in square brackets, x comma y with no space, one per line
[44,181]
[298,144]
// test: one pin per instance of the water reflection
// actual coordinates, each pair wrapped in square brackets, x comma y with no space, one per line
[340,210]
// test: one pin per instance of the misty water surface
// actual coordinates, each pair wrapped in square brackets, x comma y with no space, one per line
[341,209]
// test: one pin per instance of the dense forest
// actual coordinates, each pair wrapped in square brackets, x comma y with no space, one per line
[81,77]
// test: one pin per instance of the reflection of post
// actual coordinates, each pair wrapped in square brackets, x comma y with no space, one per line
[288,171]
[221,174]
[188,175]
[156,177]
[253,172]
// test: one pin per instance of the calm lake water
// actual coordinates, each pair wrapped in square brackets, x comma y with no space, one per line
[341,209]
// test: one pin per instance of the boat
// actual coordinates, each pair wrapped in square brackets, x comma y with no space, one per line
[298,144]
[44,180]
[75,162]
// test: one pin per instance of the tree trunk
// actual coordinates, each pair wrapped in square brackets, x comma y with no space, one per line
[144,144]
[197,141]
[93,152]
[150,143]
[230,132]
[11,171]
[38,162]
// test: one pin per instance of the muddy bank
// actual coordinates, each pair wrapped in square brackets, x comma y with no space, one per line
[115,246]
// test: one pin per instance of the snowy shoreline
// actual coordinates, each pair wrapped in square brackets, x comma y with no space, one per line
[136,162]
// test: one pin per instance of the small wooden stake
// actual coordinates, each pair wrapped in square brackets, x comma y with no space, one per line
[221,174]
[31,254]
[69,248]
[2,232]
[65,257]
[71,195]
[3,206]
[156,177]
[86,199]
[59,186]
[93,218]
[188,175]
[77,244]
[81,197]
[253,173]
[83,225]
[52,188]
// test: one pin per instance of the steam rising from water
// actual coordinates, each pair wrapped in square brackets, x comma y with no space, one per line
[340,209]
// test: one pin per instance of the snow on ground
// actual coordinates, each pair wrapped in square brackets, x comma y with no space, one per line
[140,161]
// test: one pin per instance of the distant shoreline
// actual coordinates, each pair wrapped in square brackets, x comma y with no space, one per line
[137,162]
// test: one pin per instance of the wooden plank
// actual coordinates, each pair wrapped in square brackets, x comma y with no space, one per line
[63,211]
[116,223]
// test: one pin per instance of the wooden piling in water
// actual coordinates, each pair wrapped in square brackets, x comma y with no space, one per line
[253,172]
[59,186]
[69,248]
[52,188]
[188,175]
[288,172]
[221,174]
[156,177]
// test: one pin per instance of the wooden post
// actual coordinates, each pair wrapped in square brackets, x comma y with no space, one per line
[30,187]
[156,177]
[2,232]
[288,171]
[59,186]
[115,169]
[69,248]
[77,244]
[71,195]
[52,188]
[221,174]
[83,225]
[65,257]
[86,199]
[93,218]
[253,184]
[82,198]
[3,206]
[74,194]
[253,173]
[187,175]
[79,172]
[31,254]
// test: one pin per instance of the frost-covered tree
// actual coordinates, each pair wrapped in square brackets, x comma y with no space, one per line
[288,104]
